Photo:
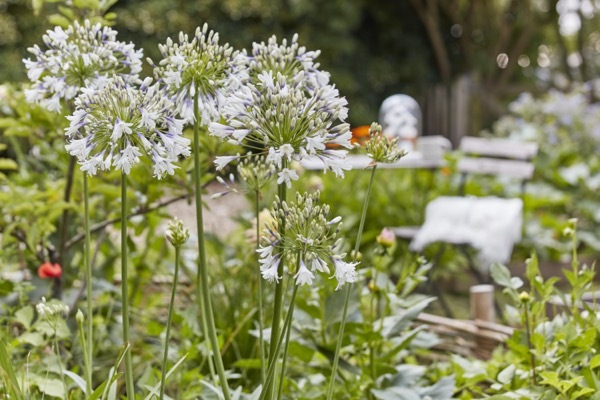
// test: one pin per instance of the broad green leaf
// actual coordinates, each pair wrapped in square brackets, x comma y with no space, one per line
[595,361]
[32,338]
[506,375]
[50,386]
[24,316]
[6,287]
[500,274]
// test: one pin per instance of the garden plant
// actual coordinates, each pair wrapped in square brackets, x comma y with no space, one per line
[104,295]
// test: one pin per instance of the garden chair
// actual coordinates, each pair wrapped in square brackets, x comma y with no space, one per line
[490,224]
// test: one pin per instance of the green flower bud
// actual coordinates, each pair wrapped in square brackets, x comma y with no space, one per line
[177,233]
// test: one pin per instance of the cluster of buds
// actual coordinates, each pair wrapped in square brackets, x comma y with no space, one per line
[289,61]
[177,233]
[83,55]
[116,125]
[310,239]
[382,149]
[200,66]
[287,121]
[51,309]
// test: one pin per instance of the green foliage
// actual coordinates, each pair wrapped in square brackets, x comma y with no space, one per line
[548,357]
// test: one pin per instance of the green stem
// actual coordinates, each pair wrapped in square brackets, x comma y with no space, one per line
[85,355]
[88,269]
[287,343]
[169,319]
[277,306]
[261,348]
[529,344]
[202,269]
[338,346]
[267,389]
[125,291]
[60,367]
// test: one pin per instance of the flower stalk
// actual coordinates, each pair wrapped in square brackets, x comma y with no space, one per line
[177,235]
[88,270]
[125,291]
[202,277]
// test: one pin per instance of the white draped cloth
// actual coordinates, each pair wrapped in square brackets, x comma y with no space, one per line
[491,225]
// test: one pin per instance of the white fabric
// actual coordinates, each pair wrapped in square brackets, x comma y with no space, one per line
[491,225]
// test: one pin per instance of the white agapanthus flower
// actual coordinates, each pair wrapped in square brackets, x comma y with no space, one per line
[200,66]
[120,123]
[288,122]
[289,61]
[83,55]
[310,242]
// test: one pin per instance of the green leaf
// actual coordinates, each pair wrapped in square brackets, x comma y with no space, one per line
[154,390]
[59,20]
[79,381]
[581,392]
[8,373]
[506,375]
[500,274]
[32,338]
[403,321]
[595,361]
[7,164]
[50,386]
[6,287]
[24,316]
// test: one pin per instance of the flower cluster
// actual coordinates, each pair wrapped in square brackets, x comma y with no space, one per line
[289,61]
[115,125]
[54,308]
[310,239]
[255,171]
[83,55]
[177,233]
[288,122]
[200,66]
[382,149]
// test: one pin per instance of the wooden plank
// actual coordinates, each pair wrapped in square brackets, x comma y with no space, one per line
[493,166]
[505,148]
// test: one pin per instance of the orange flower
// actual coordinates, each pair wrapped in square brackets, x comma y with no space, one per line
[49,270]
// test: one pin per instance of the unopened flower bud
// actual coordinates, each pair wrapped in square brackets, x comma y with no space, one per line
[356,255]
[524,297]
[79,317]
[177,233]
[386,238]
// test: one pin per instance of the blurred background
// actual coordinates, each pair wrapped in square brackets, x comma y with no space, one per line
[463,61]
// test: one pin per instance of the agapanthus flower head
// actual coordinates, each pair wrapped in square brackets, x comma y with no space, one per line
[255,171]
[310,240]
[288,122]
[382,149]
[83,55]
[118,124]
[201,66]
[288,60]
[177,233]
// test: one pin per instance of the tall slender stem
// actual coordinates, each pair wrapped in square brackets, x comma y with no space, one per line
[88,286]
[169,319]
[277,306]
[202,269]
[338,346]
[268,388]
[287,343]
[261,347]
[125,291]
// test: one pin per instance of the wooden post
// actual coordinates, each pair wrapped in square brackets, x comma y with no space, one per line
[482,303]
